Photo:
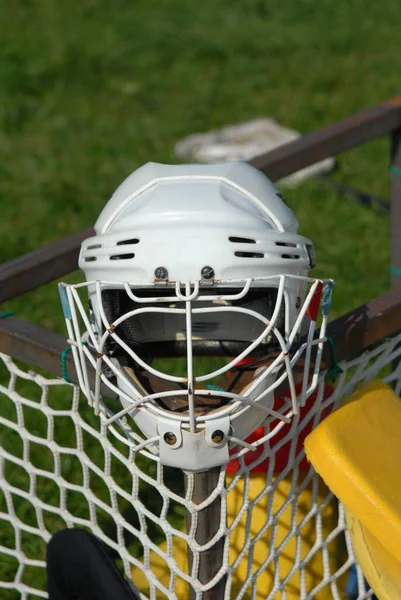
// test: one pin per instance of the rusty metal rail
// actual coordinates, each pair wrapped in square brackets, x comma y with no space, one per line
[33,269]
[331,140]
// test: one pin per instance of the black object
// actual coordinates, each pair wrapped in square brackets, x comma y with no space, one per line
[207,273]
[79,568]
[161,273]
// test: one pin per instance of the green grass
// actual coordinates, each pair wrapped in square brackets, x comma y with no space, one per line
[91,90]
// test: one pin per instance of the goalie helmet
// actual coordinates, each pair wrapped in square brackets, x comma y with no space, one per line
[192,261]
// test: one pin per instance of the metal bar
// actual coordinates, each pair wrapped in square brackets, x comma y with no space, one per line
[331,140]
[362,327]
[45,264]
[35,345]
[395,209]
[60,258]
[211,560]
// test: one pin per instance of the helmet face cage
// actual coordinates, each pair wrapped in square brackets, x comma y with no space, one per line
[197,421]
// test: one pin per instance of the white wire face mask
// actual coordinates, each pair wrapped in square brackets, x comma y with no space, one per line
[195,421]
[261,321]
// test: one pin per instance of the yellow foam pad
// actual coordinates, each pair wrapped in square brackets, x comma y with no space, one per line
[381,569]
[357,451]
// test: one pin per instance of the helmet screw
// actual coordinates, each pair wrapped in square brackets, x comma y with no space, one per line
[217,436]
[207,273]
[161,273]
[170,438]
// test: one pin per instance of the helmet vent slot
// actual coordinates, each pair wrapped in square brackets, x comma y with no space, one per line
[90,258]
[286,244]
[94,247]
[290,256]
[241,240]
[128,242]
[249,254]
[122,256]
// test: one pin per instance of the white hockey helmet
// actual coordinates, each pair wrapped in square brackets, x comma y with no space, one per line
[197,260]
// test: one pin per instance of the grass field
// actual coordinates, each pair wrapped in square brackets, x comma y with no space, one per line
[91,90]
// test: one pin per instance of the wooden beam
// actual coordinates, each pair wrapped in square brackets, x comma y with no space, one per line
[45,264]
[367,325]
[331,140]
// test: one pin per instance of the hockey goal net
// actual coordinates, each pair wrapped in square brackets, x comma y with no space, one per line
[264,528]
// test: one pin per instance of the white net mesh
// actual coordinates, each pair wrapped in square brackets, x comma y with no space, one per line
[268,528]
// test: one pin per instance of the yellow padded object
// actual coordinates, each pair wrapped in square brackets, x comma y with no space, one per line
[381,569]
[357,451]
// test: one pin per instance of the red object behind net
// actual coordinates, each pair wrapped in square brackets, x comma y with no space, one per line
[282,454]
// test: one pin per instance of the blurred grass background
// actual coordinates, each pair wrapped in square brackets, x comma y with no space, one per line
[91,90]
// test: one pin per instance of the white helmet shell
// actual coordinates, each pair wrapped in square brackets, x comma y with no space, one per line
[186,217]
